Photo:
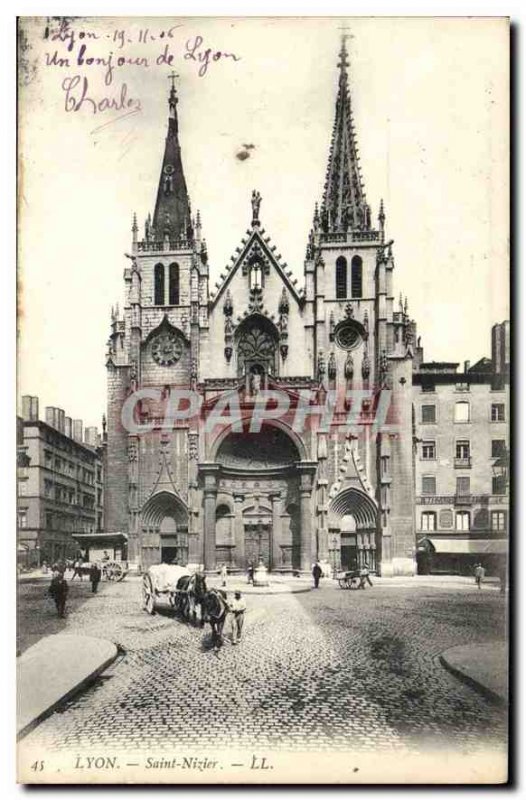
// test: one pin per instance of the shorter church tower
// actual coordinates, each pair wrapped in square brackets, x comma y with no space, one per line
[153,348]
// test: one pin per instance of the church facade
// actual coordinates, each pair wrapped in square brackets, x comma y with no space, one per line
[274,479]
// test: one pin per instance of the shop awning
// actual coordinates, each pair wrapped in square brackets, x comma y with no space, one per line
[101,537]
[467,546]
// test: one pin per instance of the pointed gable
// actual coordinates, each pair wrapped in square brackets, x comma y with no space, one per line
[256,246]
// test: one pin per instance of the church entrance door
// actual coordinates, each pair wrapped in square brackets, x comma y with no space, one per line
[257,544]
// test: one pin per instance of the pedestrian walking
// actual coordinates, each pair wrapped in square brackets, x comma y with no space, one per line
[58,590]
[480,572]
[364,576]
[95,575]
[224,574]
[237,608]
[250,573]
[77,569]
[317,572]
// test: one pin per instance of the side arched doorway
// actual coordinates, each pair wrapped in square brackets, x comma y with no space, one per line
[352,530]
[164,530]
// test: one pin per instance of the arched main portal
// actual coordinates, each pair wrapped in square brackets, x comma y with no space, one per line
[258,500]
[352,530]
[164,530]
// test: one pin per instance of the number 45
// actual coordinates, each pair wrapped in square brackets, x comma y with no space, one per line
[37,766]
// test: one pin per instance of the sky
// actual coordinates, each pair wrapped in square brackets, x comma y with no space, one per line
[430,99]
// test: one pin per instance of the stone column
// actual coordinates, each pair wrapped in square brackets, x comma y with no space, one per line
[275,550]
[307,470]
[210,473]
[239,531]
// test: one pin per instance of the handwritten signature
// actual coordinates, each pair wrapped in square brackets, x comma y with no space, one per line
[77,96]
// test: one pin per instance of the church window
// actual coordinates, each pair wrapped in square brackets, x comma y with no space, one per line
[341,278]
[159,285]
[173,286]
[256,348]
[255,275]
[356,277]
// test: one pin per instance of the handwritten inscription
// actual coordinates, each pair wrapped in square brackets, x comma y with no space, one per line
[83,53]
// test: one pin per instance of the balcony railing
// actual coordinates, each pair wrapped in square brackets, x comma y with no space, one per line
[463,463]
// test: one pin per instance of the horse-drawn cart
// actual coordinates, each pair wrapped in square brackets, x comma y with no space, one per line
[349,580]
[163,582]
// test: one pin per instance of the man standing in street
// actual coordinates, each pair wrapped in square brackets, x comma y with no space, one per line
[317,572]
[95,575]
[479,574]
[237,608]
[224,574]
[58,590]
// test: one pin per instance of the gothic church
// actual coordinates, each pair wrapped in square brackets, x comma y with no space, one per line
[286,496]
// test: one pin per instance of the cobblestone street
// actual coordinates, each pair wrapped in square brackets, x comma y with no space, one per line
[327,669]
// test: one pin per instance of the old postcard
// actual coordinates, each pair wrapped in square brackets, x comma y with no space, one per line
[264,358]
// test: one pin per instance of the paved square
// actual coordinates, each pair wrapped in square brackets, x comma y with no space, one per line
[324,670]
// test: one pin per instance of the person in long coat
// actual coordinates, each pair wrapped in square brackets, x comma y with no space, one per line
[58,590]
[95,575]
[317,572]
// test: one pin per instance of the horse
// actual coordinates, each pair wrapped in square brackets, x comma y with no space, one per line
[214,608]
[193,590]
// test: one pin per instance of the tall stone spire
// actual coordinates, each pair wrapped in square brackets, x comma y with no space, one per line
[172,216]
[344,206]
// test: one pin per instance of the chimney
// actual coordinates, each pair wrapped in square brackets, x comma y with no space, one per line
[68,427]
[51,416]
[60,419]
[90,436]
[30,408]
[467,365]
[77,430]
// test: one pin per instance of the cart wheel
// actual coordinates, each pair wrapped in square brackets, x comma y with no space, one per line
[353,583]
[342,583]
[148,598]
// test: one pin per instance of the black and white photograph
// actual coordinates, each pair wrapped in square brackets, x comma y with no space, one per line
[262,432]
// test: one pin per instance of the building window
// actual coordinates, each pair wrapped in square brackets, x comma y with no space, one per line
[356,277]
[22,519]
[159,285]
[429,521]
[428,385]
[429,415]
[463,486]
[173,285]
[462,411]
[498,412]
[341,278]
[498,520]
[498,484]
[384,460]
[429,451]
[462,451]
[462,520]
[429,484]
[498,448]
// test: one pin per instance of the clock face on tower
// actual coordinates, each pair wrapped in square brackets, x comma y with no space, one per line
[166,349]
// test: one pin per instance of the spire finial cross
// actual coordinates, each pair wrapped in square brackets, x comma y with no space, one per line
[171,77]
